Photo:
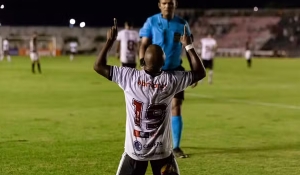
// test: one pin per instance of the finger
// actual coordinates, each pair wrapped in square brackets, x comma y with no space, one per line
[184,29]
[115,23]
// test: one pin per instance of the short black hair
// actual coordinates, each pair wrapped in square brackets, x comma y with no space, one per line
[129,23]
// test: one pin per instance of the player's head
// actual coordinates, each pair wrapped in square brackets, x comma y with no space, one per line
[34,35]
[154,58]
[167,7]
[128,24]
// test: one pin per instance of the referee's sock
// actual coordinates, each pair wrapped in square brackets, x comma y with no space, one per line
[176,130]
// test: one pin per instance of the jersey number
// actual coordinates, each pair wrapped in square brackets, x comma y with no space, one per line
[130,45]
[155,112]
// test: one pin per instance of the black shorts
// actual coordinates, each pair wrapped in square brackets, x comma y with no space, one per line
[129,166]
[73,52]
[208,64]
[132,65]
[179,95]
[5,52]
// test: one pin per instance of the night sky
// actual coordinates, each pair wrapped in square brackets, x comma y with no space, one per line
[96,13]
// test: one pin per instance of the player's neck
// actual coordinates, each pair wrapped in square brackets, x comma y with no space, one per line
[152,72]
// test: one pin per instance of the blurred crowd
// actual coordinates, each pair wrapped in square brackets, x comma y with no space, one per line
[269,29]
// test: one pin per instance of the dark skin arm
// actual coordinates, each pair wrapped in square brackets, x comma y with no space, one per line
[145,42]
[118,49]
[196,64]
[188,55]
[100,65]
[189,59]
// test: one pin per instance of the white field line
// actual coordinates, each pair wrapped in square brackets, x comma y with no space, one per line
[249,102]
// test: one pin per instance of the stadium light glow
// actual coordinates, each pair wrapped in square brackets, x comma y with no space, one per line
[82,24]
[2,6]
[72,21]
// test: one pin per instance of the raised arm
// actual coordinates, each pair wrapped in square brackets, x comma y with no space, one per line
[187,54]
[196,64]
[101,66]
[146,37]
[118,49]
[145,42]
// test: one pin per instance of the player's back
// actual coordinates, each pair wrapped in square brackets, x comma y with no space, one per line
[207,51]
[33,44]
[129,39]
[148,109]
[73,44]
[5,44]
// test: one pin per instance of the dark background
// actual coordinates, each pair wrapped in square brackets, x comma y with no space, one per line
[101,12]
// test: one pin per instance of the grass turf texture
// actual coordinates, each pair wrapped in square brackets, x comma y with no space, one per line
[69,120]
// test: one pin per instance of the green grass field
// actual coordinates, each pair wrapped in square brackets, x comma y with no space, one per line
[71,121]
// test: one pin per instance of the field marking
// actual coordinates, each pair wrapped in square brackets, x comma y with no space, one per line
[249,102]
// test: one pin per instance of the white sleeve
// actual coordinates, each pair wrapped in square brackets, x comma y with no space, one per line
[121,75]
[183,80]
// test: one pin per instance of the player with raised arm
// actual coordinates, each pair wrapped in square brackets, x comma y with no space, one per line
[164,29]
[208,50]
[5,50]
[35,60]
[127,45]
[148,96]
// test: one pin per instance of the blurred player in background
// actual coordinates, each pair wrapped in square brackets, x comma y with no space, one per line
[248,52]
[73,49]
[148,124]
[5,50]
[127,45]
[208,50]
[165,29]
[34,56]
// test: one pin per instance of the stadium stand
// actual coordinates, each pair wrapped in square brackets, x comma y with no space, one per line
[271,31]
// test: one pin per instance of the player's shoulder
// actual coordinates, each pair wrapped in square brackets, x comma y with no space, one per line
[203,40]
[126,70]
[121,31]
[174,74]
[180,20]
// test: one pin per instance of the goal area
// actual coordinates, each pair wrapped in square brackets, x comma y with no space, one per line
[19,45]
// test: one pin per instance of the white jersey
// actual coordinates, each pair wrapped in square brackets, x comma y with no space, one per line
[207,51]
[5,45]
[32,45]
[128,43]
[73,46]
[148,109]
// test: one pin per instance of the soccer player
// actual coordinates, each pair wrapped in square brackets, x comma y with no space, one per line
[35,60]
[5,48]
[127,45]
[165,29]
[209,48]
[148,96]
[73,49]
[248,53]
